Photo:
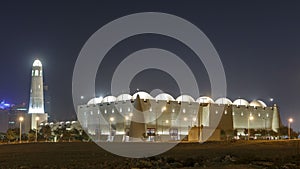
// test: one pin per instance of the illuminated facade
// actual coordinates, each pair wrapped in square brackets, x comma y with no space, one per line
[36,102]
[126,117]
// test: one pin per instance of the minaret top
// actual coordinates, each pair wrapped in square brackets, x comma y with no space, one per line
[37,63]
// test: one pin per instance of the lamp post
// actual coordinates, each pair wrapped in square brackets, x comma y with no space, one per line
[36,130]
[167,121]
[162,110]
[185,119]
[110,121]
[21,119]
[289,130]
[249,118]
[99,128]
[125,124]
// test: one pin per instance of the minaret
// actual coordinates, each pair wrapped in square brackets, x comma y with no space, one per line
[36,103]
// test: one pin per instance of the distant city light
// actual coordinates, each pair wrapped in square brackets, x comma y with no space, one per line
[4,105]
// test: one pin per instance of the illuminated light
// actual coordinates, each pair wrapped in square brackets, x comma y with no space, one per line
[111,119]
[91,113]
[36,110]
[112,111]
[291,120]
[267,115]
[150,109]
[233,113]
[37,118]
[183,110]
[258,114]
[225,112]
[194,119]
[163,109]
[173,110]
[130,114]
[121,110]
[81,97]
[126,118]
[21,109]
[37,63]
[128,109]
[167,121]
[98,112]
[217,112]
[21,119]
[242,114]
[105,111]
[185,119]
[4,105]
[251,118]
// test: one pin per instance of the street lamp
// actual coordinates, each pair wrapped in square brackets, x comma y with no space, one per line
[21,119]
[111,119]
[185,119]
[125,123]
[167,121]
[99,131]
[249,118]
[36,130]
[289,131]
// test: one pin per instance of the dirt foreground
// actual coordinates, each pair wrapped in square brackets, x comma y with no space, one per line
[241,154]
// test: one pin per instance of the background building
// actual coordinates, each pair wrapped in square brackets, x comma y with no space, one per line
[141,116]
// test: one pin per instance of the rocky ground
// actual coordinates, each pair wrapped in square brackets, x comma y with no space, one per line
[211,155]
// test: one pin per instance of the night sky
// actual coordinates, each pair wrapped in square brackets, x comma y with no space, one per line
[258,44]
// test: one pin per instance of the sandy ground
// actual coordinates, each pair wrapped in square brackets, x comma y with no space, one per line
[212,155]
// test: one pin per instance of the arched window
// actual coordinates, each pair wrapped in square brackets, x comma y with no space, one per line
[36,73]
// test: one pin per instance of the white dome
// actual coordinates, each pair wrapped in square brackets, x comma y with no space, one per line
[258,103]
[242,102]
[124,97]
[223,101]
[95,101]
[143,95]
[185,98]
[205,99]
[109,99]
[164,96]
[37,63]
